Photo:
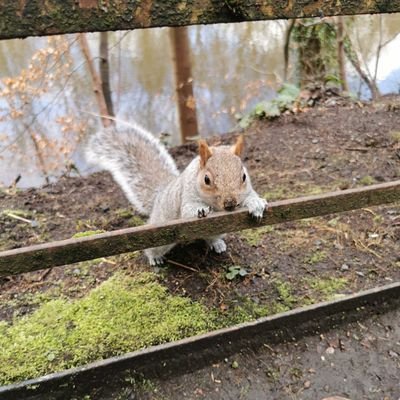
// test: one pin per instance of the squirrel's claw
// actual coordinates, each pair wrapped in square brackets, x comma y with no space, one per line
[203,212]
[155,261]
[257,206]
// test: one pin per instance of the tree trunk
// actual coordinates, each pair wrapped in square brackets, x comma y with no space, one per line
[96,81]
[105,72]
[183,80]
[340,54]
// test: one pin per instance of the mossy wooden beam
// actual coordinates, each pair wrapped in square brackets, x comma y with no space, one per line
[69,251]
[22,18]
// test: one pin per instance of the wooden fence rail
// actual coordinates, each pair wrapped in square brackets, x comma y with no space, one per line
[22,18]
[73,250]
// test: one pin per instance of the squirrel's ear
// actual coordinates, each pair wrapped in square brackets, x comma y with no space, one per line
[238,147]
[204,152]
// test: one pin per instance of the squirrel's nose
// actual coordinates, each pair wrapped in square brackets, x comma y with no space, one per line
[230,204]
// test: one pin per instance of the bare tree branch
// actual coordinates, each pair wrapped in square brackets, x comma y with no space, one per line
[96,81]
[105,72]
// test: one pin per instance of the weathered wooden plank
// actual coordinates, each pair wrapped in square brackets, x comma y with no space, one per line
[192,353]
[106,244]
[19,19]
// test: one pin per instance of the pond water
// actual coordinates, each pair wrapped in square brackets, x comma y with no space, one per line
[234,66]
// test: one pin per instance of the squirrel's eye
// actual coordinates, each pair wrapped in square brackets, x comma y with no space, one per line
[244,177]
[207,180]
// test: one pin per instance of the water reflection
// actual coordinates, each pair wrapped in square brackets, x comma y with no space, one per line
[234,67]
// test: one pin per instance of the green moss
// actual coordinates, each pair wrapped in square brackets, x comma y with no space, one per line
[367,180]
[287,192]
[87,233]
[315,257]
[123,213]
[395,136]
[326,287]
[285,294]
[254,236]
[243,311]
[123,314]
[133,220]
[84,224]
[277,193]
[136,221]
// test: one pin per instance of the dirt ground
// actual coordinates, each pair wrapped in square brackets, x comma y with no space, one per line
[339,145]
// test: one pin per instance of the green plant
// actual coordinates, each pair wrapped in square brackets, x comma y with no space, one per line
[270,109]
[235,271]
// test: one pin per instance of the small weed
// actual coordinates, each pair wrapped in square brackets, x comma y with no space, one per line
[285,293]
[273,374]
[84,225]
[136,221]
[367,180]
[235,271]
[271,109]
[315,257]
[296,373]
[123,213]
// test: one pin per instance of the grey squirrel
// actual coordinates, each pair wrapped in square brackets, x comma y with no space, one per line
[215,180]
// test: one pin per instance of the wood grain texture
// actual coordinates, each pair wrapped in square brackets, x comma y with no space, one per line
[19,19]
[125,240]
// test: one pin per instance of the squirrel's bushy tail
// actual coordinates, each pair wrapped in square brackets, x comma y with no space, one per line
[137,161]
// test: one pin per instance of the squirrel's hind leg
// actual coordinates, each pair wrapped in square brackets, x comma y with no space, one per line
[155,255]
[217,244]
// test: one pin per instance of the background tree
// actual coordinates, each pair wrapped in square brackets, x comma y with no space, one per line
[184,83]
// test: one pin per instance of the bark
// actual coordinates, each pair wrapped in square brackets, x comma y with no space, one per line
[183,81]
[24,18]
[96,81]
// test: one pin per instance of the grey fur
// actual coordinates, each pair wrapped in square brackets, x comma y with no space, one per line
[152,183]
[138,163]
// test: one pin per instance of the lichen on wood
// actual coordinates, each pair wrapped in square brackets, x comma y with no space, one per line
[19,19]
[125,240]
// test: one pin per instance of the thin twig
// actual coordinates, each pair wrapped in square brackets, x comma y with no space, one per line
[182,265]
[361,149]
[11,215]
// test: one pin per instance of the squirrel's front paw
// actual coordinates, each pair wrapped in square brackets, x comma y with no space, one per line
[257,206]
[203,212]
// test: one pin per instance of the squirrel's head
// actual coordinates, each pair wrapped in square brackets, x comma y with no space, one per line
[222,181]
